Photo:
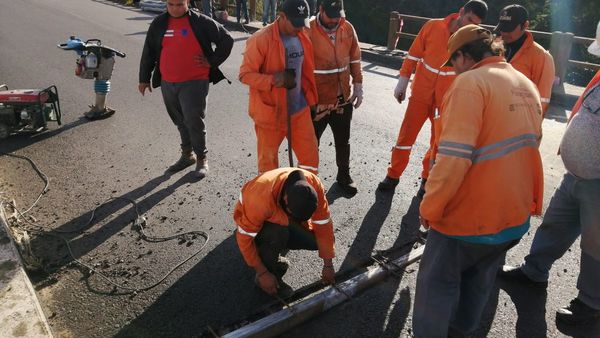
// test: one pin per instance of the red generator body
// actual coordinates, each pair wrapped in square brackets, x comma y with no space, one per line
[27,110]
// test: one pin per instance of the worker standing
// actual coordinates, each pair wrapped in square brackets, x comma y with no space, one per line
[278,66]
[486,182]
[179,57]
[337,66]
[280,210]
[524,54]
[573,211]
[426,58]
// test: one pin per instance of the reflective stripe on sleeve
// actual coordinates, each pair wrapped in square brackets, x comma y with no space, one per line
[410,57]
[545,100]
[241,198]
[244,232]
[307,167]
[403,147]
[437,71]
[355,61]
[321,221]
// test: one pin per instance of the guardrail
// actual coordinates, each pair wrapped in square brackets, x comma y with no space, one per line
[561,43]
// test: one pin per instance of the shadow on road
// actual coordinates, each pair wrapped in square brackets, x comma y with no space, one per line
[370,69]
[21,141]
[55,253]
[217,291]
[557,114]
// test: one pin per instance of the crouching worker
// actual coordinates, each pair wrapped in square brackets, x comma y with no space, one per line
[280,210]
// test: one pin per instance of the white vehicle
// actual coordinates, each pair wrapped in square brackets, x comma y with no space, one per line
[153,5]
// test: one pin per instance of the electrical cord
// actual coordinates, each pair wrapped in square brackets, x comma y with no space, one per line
[138,224]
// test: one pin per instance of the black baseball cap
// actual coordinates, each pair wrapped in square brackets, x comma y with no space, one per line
[297,11]
[301,196]
[334,8]
[510,17]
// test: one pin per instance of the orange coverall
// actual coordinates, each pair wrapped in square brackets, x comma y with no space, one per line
[538,65]
[264,56]
[427,55]
[259,203]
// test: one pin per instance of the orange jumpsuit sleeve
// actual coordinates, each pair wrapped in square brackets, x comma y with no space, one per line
[355,67]
[254,58]
[322,224]
[462,120]
[544,78]
[250,213]
[415,53]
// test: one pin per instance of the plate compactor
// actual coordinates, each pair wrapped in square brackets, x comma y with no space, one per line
[95,61]
[27,110]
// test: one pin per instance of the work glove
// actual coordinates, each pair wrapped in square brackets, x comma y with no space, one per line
[323,110]
[357,95]
[328,274]
[285,79]
[400,91]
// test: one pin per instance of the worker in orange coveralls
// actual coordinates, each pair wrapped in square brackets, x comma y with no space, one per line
[427,55]
[526,55]
[283,209]
[278,66]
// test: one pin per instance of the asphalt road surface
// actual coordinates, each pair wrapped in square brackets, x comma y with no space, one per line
[126,156]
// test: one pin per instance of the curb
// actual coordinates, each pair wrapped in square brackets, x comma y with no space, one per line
[21,314]
[380,56]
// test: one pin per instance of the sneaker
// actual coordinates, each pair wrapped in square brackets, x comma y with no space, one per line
[388,183]
[516,274]
[347,184]
[201,168]
[576,313]
[183,162]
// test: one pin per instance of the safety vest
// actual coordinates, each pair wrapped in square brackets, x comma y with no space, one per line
[335,61]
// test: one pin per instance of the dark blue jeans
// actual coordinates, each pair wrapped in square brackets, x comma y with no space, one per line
[241,5]
[573,211]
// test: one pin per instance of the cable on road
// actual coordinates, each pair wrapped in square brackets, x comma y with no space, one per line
[138,224]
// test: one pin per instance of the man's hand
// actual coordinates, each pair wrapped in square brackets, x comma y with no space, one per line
[202,61]
[400,91]
[357,95]
[328,273]
[267,282]
[143,86]
[284,80]
[323,110]
[424,222]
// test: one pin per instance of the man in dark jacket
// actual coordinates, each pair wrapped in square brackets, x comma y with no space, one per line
[178,56]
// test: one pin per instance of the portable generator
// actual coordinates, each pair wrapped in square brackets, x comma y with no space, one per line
[95,61]
[27,110]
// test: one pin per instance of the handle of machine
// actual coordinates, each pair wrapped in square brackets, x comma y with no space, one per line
[63,46]
[99,42]
[4,86]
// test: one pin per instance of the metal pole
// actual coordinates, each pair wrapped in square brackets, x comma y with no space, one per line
[285,319]
[560,48]
[393,30]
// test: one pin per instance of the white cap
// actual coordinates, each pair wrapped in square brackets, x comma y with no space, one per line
[594,48]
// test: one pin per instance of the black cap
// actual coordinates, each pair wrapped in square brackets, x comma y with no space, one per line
[301,196]
[334,8]
[297,11]
[510,17]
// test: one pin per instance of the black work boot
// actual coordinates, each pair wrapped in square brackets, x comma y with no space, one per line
[577,313]
[345,182]
[388,183]
[185,160]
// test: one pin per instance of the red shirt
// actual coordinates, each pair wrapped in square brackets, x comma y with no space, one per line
[179,48]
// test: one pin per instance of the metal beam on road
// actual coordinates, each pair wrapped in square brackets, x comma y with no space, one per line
[296,314]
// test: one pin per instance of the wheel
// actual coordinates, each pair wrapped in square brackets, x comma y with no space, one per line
[4,132]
